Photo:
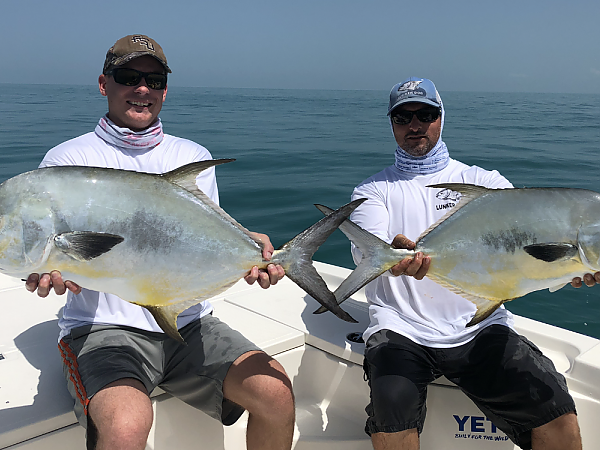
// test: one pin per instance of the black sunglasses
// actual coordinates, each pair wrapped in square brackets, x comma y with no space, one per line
[132,77]
[425,115]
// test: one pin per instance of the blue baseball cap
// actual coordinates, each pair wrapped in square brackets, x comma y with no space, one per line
[414,90]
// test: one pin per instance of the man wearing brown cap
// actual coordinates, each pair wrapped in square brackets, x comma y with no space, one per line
[111,383]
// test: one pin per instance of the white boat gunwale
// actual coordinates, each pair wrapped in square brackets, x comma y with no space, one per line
[36,409]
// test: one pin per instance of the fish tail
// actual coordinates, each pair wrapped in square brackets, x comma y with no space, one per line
[296,257]
[166,320]
[377,257]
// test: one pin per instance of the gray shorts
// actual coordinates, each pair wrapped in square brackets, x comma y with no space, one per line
[96,355]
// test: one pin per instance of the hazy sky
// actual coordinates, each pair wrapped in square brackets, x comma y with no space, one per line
[525,45]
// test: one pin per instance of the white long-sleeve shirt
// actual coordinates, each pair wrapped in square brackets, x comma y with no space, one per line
[400,203]
[91,307]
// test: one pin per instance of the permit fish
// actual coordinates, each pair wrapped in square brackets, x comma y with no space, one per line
[495,245]
[154,240]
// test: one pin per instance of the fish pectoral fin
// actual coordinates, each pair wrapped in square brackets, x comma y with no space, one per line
[552,251]
[485,308]
[166,318]
[86,245]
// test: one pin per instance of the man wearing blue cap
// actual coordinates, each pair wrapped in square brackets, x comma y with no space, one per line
[418,328]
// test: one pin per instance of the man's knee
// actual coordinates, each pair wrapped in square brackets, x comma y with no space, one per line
[562,432]
[119,432]
[565,424]
[273,397]
[91,435]
[120,416]
[259,383]
[391,394]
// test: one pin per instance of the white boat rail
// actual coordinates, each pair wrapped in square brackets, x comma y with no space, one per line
[324,364]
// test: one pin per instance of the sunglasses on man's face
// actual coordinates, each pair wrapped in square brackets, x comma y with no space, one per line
[425,115]
[132,77]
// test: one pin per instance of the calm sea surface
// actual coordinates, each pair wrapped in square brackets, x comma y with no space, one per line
[294,148]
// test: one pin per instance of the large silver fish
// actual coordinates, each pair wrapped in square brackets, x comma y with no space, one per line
[153,240]
[495,245]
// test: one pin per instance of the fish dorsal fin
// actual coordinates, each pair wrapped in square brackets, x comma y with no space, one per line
[468,193]
[185,176]
[552,251]
[86,245]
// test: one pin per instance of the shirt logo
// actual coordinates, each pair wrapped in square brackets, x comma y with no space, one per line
[143,41]
[449,196]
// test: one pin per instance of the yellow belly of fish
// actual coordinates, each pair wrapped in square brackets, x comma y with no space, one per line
[500,280]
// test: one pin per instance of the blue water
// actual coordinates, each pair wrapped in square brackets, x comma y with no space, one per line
[294,148]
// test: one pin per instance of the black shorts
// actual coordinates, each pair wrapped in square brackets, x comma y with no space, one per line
[505,375]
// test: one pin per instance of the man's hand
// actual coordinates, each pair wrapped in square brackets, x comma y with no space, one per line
[48,281]
[589,280]
[273,273]
[415,267]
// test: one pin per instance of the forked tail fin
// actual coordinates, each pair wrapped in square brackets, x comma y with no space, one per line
[296,258]
[377,257]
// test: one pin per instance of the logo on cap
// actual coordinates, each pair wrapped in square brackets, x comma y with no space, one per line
[411,88]
[409,85]
[142,40]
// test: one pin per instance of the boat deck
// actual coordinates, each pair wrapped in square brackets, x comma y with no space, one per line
[324,365]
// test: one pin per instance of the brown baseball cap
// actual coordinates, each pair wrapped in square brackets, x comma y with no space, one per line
[131,47]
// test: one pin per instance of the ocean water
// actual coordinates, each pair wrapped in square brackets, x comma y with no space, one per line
[294,148]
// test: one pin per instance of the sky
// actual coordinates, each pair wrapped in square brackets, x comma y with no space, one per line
[500,46]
